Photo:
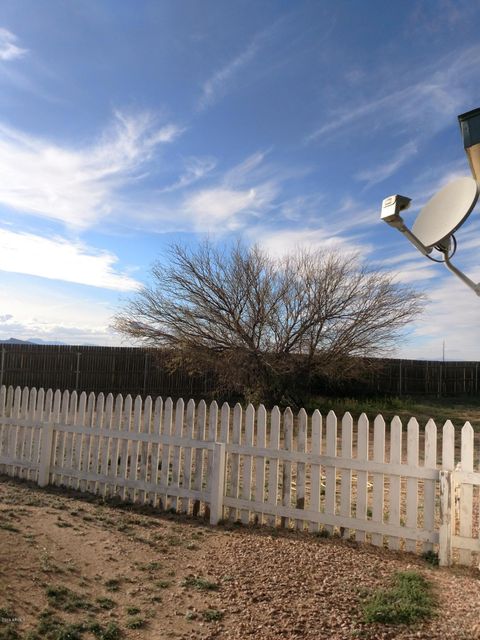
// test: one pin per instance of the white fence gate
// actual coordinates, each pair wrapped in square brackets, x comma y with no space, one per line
[383,484]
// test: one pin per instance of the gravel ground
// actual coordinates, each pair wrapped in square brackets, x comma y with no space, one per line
[270,584]
[293,586]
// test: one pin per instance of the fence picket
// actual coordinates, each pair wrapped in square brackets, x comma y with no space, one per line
[134,449]
[362,476]
[37,418]
[448,446]
[316,472]
[124,454]
[69,439]
[95,442]
[394,493]
[165,468]
[23,448]
[261,440]
[59,441]
[56,436]
[29,472]
[331,472]
[287,465]
[378,478]
[179,417]
[113,470]
[199,434]
[447,495]
[212,437]
[346,474]
[87,444]
[412,483]
[45,444]
[156,429]
[81,439]
[187,457]
[466,491]
[9,402]
[145,427]
[225,423]
[301,447]
[247,462]
[14,435]
[235,459]
[273,463]
[429,485]
[105,443]
[3,427]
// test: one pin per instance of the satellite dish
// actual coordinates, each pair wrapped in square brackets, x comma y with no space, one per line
[446,211]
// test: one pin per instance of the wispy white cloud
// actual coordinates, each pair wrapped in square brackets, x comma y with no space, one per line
[383,171]
[247,189]
[253,165]
[218,209]
[426,104]
[285,241]
[350,215]
[419,271]
[221,81]
[216,85]
[195,169]
[305,208]
[59,259]
[76,185]
[230,201]
[9,49]
[441,17]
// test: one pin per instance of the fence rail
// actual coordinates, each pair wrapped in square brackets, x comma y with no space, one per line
[405,488]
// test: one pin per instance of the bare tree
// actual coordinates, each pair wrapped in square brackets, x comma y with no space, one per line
[264,325]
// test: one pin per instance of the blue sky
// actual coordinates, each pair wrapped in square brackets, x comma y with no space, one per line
[126,126]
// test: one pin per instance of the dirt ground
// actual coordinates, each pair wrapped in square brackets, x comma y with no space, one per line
[72,567]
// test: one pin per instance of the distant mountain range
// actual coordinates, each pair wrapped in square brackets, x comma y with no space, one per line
[17,341]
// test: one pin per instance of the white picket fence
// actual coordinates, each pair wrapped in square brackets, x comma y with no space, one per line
[376,483]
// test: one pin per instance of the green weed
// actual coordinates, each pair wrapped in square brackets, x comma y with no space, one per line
[111,632]
[113,584]
[163,584]
[6,526]
[150,566]
[106,603]
[212,615]
[9,633]
[66,600]
[407,600]
[136,623]
[431,557]
[201,584]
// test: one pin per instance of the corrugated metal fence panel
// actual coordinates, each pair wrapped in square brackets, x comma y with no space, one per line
[113,369]
[135,370]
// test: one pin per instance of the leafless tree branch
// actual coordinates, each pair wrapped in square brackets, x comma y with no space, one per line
[263,323]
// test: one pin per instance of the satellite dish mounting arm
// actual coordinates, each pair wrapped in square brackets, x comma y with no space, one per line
[391,208]
[464,278]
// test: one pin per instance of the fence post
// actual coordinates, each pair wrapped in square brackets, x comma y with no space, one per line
[2,364]
[218,483]
[145,372]
[77,372]
[445,541]
[46,445]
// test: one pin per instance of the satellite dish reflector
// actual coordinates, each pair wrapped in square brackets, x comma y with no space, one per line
[446,211]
